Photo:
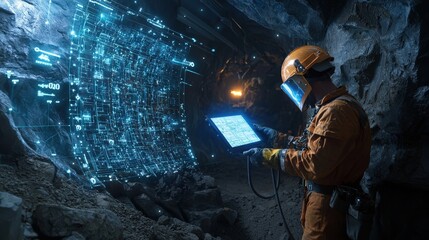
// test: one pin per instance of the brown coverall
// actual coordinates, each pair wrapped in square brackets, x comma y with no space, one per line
[338,154]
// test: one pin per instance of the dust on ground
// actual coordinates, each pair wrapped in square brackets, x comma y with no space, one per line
[31,180]
[259,219]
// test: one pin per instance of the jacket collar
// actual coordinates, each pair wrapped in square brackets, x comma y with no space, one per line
[331,96]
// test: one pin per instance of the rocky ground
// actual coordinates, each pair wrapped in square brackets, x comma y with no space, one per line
[49,206]
[258,218]
[31,180]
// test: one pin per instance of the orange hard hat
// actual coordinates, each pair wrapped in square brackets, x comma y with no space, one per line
[296,65]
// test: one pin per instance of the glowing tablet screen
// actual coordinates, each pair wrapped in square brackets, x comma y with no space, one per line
[236,130]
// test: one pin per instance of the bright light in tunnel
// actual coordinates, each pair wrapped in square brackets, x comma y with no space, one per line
[236,93]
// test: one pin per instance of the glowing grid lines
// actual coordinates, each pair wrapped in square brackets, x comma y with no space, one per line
[126,98]
[236,130]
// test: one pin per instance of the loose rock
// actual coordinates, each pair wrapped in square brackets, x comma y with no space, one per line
[10,216]
[59,221]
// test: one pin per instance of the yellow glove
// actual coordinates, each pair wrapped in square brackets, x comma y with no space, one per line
[264,156]
[271,157]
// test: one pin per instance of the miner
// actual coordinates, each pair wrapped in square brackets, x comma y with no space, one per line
[333,151]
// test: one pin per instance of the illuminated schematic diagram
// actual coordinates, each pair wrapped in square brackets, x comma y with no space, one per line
[126,103]
[45,58]
[184,63]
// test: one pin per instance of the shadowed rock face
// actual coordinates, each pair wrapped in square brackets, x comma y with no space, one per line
[378,48]
[378,45]
[24,25]
[292,18]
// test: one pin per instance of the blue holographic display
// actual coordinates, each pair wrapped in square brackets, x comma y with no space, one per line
[126,110]
[45,58]
[236,130]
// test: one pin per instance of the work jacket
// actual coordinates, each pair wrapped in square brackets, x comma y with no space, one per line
[339,142]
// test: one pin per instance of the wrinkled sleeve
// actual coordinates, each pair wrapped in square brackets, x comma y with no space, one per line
[330,141]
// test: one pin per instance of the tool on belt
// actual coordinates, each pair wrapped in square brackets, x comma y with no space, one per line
[359,208]
[352,200]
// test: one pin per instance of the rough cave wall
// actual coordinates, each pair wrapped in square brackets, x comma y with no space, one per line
[24,25]
[376,47]
[380,49]
[29,28]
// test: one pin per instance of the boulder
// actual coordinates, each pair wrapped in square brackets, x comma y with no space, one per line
[172,207]
[10,217]
[204,181]
[149,207]
[135,188]
[116,188]
[59,221]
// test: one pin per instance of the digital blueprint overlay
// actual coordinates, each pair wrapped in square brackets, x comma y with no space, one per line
[127,80]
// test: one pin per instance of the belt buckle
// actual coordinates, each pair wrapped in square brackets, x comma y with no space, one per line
[309,186]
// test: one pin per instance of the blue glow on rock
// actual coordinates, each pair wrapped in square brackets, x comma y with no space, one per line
[126,103]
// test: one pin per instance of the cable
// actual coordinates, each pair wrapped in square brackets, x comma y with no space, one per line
[276,192]
[276,184]
[249,180]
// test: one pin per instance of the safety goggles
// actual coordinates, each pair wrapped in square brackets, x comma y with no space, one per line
[298,89]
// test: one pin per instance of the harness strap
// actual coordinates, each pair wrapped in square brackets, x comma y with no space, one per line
[323,189]
[328,189]
[356,105]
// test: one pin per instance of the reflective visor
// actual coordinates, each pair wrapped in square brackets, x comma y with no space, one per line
[297,88]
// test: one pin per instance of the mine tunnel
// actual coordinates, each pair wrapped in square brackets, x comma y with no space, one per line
[214,119]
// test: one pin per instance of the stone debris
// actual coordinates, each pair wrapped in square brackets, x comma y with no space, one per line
[59,221]
[10,217]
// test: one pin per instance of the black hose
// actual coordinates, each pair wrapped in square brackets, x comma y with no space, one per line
[276,192]
[249,180]
[276,184]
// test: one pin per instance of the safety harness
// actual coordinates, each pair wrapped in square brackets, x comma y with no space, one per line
[350,199]
[300,143]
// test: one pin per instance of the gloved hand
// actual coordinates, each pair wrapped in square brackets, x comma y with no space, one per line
[255,155]
[267,134]
[264,156]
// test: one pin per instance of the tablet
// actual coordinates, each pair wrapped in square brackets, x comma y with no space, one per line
[236,131]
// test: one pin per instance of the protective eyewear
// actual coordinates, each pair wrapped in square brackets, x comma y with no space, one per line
[298,89]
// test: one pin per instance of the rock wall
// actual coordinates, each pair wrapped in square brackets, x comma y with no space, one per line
[376,46]
[45,45]
[380,49]
[28,23]
[25,25]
